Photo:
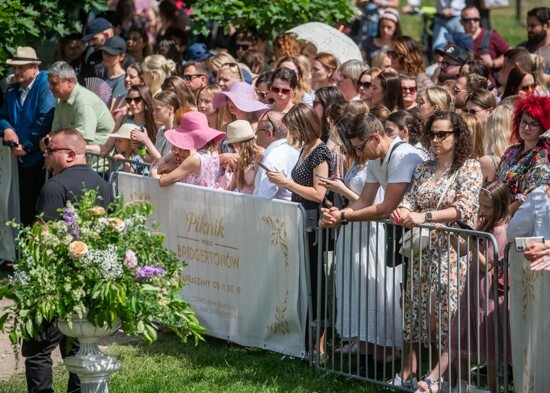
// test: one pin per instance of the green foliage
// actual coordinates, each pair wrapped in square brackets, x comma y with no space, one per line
[28,22]
[110,267]
[267,16]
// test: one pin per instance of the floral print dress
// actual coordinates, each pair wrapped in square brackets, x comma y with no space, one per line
[210,166]
[436,278]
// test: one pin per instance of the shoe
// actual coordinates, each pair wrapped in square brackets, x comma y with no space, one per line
[320,359]
[353,347]
[409,383]
[461,386]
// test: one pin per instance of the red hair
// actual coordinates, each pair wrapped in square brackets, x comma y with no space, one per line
[537,107]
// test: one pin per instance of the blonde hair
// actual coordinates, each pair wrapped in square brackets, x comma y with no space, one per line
[160,68]
[220,60]
[498,131]
[475,127]
[378,60]
[248,150]
[440,97]
[539,66]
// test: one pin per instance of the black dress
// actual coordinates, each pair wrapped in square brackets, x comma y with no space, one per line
[303,174]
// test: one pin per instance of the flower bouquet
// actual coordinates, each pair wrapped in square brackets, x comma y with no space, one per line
[106,266]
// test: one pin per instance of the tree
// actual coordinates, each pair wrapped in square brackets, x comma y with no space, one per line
[269,17]
[29,22]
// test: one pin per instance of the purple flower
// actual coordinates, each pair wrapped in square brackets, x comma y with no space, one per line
[130,260]
[145,272]
[69,218]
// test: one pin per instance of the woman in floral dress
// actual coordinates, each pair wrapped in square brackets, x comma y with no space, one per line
[444,190]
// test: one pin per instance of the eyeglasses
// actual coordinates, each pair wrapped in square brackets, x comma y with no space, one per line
[533,126]
[448,64]
[190,77]
[137,100]
[280,90]
[441,135]
[410,90]
[474,111]
[262,94]
[361,147]
[530,87]
[470,20]
[243,47]
[52,150]
[365,85]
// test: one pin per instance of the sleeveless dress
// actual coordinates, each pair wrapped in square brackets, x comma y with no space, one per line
[210,166]
[367,300]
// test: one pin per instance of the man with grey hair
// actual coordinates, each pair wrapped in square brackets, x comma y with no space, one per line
[279,156]
[78,107]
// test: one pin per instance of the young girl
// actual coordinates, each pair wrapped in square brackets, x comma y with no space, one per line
[205,104]
[241,136]
[196,149]
[127,151]
[474,324]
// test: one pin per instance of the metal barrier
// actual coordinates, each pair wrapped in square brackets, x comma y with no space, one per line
[383,313]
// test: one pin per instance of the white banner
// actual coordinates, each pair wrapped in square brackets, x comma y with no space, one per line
[245,260]
[9,202]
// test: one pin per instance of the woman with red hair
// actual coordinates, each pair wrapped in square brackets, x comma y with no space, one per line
[525,166]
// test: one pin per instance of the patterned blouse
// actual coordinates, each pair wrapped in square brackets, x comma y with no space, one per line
[524,172]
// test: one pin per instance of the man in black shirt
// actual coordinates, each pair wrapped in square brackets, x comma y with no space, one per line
[65,157]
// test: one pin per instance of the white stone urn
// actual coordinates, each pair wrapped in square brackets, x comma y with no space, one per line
[90,364]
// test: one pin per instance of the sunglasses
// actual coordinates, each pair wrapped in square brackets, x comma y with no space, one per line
[243,47]
[190,77]
[262,94]
[137,100]
[52,150]
[361,147]
[365,85]
[530,87]
[440,135]
[411,90]
[470,20]
[280,90]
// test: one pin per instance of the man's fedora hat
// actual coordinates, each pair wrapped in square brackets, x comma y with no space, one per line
[24,55]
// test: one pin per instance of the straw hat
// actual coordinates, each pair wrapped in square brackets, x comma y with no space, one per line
[193,132]
[124,131]
[238,131]
[24,55]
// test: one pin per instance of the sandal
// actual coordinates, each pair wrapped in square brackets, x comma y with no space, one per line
[428,385]
[352,348]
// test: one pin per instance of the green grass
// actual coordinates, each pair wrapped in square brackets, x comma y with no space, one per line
[502,20]
[212,366]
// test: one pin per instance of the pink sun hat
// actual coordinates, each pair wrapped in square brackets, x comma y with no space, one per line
[193,132]
[242,95]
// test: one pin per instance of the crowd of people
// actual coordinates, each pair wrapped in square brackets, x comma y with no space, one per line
[384,137]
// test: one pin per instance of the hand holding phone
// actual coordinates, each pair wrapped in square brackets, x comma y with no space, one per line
[523,242]
[264,167]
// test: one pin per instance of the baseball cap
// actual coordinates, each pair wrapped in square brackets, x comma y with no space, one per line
[454,52]
[114,46]
[98,25]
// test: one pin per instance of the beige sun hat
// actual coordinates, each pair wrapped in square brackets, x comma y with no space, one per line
[238,131]
[124,131]
[24,55]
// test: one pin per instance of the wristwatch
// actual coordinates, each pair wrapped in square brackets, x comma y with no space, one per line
[343,219]
[429,217]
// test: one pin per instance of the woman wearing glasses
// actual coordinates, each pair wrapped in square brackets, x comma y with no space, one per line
[283,88]
[444,189]
[366,92]
[520,83]
[481,103]
[409,89]
[525,166]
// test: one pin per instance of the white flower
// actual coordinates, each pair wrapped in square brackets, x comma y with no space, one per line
[78,249]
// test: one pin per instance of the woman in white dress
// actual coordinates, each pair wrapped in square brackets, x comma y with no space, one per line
[365,293]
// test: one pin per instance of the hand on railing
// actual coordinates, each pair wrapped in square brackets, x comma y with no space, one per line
[539,255]
[330,218]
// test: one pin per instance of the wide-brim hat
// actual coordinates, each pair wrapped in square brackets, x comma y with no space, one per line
[124,131]
[193,132]
[242,95]
[239,131]
[24,55]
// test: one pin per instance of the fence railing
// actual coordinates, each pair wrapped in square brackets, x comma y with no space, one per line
[383,313]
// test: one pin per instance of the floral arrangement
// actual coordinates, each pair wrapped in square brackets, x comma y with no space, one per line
[107,265]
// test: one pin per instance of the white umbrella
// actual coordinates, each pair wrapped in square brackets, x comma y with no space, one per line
[328,39]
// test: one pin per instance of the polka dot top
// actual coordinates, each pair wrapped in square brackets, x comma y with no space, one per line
[303,172]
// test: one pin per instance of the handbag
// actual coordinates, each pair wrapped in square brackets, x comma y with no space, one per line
[417,238]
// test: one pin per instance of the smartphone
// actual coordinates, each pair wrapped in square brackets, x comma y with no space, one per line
[463,225]
[264,167]
[523,242]
[322,177]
